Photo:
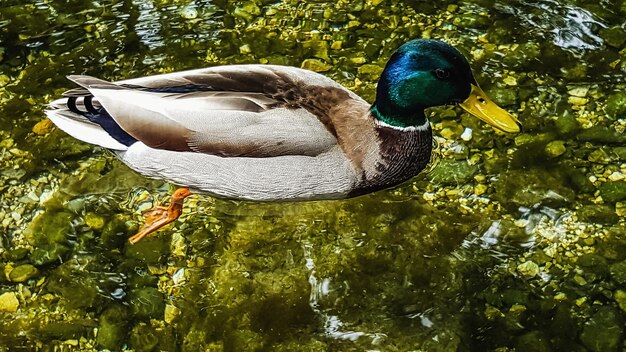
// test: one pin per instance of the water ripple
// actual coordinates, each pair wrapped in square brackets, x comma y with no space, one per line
[569,26]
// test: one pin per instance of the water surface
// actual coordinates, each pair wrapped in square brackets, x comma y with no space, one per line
[508,242]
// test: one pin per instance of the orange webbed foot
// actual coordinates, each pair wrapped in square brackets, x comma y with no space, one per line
[160,216]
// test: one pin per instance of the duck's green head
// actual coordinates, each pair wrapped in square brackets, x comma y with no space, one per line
[424,73]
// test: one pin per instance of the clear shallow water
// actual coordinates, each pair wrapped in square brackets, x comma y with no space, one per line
[508,242]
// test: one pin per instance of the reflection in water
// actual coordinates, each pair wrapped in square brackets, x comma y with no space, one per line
[148,25]
[571,27]
[424,319]
[538,217]
[492,235]
[577,30]
[332,324]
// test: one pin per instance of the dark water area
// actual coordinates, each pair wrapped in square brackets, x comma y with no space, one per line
[508,242]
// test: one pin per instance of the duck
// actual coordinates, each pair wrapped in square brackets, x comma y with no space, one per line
[274,133]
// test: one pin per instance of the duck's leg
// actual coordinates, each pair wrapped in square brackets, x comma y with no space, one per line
[160,216]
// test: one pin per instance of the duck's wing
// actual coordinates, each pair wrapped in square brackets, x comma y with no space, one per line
[242,110]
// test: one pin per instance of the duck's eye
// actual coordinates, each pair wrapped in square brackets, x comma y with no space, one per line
[441,73]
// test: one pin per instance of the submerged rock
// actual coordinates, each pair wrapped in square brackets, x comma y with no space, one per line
[530,187]
[525,54]
[566,124]
[599,156]
[613,191]
[52,227]
[620,153]
[472,20]
[64,330]
[555,149]
[618,272]
[9,302]
[59,146]
[171,313]
[370,71]
[16,254]
[113,328]
[147,303]
[115,232]
[143,338]
[614,247]
[603,331]
[452,172]
[601,134]
[599,214]
[528,269]
[94,221]
[22,273]
[248,10]
[534,341]
[315,65]
[503,96]
[86,281]
[43,127]
[616,105]
[563,323]
[578,180]
[613,36]
[49,253]
[151,250]
[594,267]
[620,299]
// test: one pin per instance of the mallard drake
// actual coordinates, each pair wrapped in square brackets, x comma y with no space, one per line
[271,133]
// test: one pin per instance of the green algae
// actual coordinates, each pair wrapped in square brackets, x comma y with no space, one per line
[534,341]
[503,96]
[614,36]
[83,283]
[453,172]
[555,148]
[603,331]
[598,214]
[143,338]
[16,254]
[601,134]
[530,187]
[59,330]
[52,227]
[616,105]
[152,251]
[113,327]
[566,124]
[49,253]
[146,303]
[22,273]
[618,272]
[613,191]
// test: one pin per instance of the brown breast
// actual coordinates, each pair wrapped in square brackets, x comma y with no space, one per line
[402,155]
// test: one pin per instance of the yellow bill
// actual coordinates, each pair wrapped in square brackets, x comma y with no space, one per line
[479,105]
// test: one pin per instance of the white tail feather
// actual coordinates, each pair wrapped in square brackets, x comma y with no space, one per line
[84,131]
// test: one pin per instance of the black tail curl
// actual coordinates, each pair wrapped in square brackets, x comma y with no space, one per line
[101,117]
